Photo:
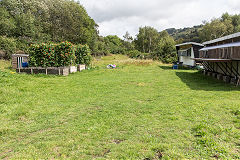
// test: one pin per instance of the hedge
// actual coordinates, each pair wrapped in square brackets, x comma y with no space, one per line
[58,55]
[83,54]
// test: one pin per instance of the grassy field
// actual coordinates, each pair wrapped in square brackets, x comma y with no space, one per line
[142,110]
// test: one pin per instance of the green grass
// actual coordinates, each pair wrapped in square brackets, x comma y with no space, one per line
[142,110]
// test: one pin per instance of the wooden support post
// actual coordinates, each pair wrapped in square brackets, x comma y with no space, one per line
[46,71]
[228,68]
[237,68]
[238,81]
[210,67]
[221,69]
[235,72]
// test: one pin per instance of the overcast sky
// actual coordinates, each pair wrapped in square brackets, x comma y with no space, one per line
[115,17]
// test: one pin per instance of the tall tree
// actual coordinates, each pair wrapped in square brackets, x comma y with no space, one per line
[165,49]
[146,40]
[48,20]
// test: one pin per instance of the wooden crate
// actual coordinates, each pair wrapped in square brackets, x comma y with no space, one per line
[81,67]
[72,69]
[49,70]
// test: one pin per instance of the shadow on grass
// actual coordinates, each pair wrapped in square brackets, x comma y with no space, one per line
[197,81]
[171,68]
[166,67]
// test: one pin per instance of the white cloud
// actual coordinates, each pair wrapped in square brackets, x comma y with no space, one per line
[115,17]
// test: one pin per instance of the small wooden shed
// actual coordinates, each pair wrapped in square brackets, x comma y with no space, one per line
[18,59]
[188,51]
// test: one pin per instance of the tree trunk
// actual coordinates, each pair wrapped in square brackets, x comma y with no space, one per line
[150,44]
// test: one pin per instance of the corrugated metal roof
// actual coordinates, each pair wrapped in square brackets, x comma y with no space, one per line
[194,43]
[223,38]
[236,44]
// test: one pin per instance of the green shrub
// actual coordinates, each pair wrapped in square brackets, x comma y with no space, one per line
[139,55]
[83,54]
[8,45]
[51,55]
[65,54]
[170,58]
[58,55]
[134,54]
[42,55]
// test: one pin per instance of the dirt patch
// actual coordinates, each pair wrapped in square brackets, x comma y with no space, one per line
[4,155]
[56,150]
[105,152]
[216,156]
[117,141]
[159,154]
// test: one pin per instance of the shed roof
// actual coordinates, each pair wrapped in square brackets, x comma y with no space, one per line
[189,43]
[236,44]
[20,55]
[223,38]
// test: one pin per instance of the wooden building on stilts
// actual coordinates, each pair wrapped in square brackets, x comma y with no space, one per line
[221,58]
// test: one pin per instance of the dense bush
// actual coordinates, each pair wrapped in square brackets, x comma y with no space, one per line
[139,55]
[42,55]
[64,54]
[31,21]
[134,54]
[58,55]
[83,54]
[7,45]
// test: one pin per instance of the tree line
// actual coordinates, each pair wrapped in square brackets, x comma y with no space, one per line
[25,22]
[217,27]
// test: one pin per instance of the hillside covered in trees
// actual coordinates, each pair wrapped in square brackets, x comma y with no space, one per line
[34,21]
[217,27]
[27,22]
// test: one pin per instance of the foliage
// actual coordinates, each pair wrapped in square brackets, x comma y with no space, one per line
[216,28]
[59,55]
[111,44]
[65,54]
[8,45]
[187,34]
[147,39]
[138,55]
[32,21]
[164,46]
[7,24]
[166,49]
[134,54]
[83,54]
[52,55]
[42,55]
[114,44]
[219,27]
